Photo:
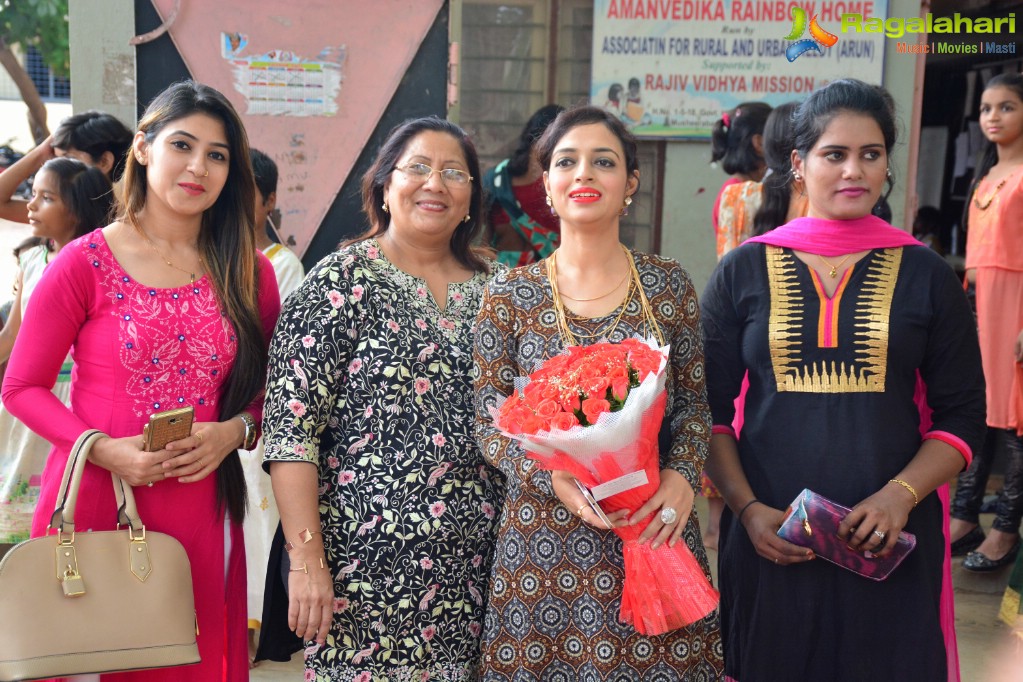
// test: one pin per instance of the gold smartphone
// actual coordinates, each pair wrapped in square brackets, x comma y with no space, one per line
[166,427]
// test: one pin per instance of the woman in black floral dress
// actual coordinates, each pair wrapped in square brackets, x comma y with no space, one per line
[390,534]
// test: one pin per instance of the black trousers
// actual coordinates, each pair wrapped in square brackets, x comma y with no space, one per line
[973,482]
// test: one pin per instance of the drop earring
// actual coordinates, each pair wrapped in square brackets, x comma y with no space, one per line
[385,208]
[551,204]
[625,206]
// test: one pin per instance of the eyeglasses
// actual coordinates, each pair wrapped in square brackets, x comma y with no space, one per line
[448,175]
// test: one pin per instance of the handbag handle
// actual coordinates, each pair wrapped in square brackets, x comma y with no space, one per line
[63,518]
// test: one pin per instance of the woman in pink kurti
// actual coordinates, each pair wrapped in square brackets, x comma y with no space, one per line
[140,304]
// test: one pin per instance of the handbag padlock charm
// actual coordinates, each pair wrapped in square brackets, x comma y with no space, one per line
[71,580]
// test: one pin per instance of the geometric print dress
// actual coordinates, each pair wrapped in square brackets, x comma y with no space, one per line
[557,582]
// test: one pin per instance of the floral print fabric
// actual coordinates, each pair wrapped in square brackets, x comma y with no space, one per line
[371,381]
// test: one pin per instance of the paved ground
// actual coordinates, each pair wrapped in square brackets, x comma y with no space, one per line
[986,655]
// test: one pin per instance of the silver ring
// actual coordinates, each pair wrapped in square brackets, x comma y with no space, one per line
[668,515]
[881,536]
[149,485]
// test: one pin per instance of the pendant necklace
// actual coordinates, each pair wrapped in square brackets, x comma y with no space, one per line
[833,273]
[191,275]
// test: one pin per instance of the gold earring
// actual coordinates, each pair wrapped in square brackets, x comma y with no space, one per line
[551,204]
[467,217]
[625,206]
[384,206]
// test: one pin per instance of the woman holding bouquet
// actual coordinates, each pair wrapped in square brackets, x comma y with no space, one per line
[557,584]
[837,317]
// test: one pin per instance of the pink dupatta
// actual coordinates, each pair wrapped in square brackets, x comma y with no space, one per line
[836,238]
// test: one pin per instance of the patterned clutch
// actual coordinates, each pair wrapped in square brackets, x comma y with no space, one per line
[812,522]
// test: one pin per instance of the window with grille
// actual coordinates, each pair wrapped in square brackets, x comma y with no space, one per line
[513,63]
[51,88]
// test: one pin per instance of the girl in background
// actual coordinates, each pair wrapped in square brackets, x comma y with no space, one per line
[994,263]
[737,142]
[69,198]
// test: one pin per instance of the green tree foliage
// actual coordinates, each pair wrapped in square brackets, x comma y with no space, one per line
[41,24]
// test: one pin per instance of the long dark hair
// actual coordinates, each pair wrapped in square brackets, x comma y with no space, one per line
[518,164]
[777,184]
[587,115]
[731,138]
[95,133]
[378,175]
[989,155]
[852,96]
[228,249]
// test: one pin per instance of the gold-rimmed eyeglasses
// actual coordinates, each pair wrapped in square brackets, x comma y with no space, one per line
[448,175]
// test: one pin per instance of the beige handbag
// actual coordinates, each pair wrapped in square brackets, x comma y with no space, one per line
[95,602]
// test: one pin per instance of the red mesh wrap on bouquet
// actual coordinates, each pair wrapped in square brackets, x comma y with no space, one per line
[665,588]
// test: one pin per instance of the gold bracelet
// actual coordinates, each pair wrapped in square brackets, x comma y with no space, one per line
[305,567]
[911,489]
[305,535]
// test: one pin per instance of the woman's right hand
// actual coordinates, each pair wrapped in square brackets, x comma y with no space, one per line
[568,492]
[310,596]
[762,524]
[126,458]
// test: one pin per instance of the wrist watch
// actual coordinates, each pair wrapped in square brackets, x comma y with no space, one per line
[249,441]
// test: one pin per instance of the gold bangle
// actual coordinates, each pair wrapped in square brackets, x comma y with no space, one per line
[305,535]
[305,568]
[911,489]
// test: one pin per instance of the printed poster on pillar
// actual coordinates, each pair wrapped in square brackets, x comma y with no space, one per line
[669,68]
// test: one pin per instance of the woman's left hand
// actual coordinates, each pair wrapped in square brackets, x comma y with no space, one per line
[203,451]
[874,524]
[674,493]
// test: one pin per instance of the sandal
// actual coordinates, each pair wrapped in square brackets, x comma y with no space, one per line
[980,563]
[968,542]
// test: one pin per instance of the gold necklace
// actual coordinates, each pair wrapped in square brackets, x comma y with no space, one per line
[605,295]
[571,339]
[991,197]
[833,273]
[191,275]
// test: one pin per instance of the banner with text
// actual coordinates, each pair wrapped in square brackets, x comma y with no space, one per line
[669,68]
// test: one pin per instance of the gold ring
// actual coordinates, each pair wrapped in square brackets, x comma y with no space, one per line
[201,465]
[579,511]
[198,436]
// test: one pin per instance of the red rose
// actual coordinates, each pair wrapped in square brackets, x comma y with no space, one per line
[594,407]
[547,409]
[564,421]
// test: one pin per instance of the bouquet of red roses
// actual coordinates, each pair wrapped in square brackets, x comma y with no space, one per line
[595,411]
